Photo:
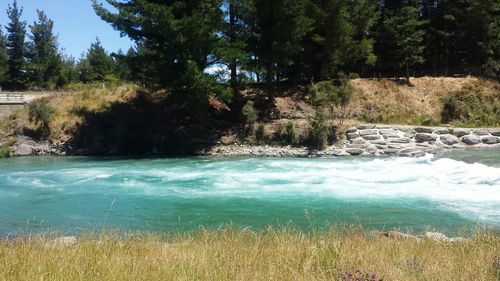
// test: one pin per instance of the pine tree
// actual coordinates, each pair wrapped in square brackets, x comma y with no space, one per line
[46,62]
[342,40]
[483,34]
[100,62]
[406,31]
[179,41]
[3,59]
[16,48]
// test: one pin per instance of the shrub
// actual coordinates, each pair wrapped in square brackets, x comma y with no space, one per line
[471,106]
[286,135]
[249,112]
[40,113]
[4,151]
[319,129]
[260,133]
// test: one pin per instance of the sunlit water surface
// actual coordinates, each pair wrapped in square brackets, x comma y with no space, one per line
[446,192]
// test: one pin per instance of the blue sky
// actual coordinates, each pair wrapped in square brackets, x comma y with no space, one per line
[75,23]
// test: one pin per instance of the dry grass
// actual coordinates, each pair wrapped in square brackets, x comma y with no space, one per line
[233,254]
[68,107]
[386,101]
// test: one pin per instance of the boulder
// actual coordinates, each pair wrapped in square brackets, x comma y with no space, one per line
[480,132]
[351,136]
[461,132]
[495,133]
[449,139]
[379,142]
[471,140]
[371,149]
[406,130]
[424,130]
[490,140]
[355,151]
[368,132]
[441,131]
[423,137]
[388,131]
[358,141]
[372,137]
[366,126]
[23,150]
[391,151]
[399,140]
[352,130]
[388,136]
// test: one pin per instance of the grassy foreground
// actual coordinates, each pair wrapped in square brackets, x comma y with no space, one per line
[233,254]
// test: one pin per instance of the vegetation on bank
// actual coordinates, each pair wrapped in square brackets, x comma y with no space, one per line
[125,119]
[243,254]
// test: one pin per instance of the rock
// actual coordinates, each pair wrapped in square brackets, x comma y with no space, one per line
[424,130]
[351,136]
[495,133]
[342,154]
[379,142]
[449,139]
[471,140]
[410,135]
[423,137]
[352,130]
[391,151]
[395,146]
[393,136]
[400,140]
[436,236]
[368,132]
[355,151]
[490,140]
[367,126]
[358,141]
[441,131]
[372,137]
[388,132]
[361,146]
[406,130]
[23,150]
[371,149]
[381,146]
[461,132]
[481,132]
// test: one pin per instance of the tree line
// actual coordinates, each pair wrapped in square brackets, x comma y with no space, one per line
[191,46]
[30,57]
[304,40]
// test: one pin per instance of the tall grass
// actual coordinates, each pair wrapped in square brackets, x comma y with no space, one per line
[242,254]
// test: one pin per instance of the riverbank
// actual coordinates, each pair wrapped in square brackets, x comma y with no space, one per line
[243,254]
[128,121]
[363,140]
[378,140]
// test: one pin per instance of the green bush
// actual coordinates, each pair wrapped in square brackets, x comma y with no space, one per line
[249,112]
[40,113]
[260,134]
[319,129]
[286,135]
[471,106]
[4,151]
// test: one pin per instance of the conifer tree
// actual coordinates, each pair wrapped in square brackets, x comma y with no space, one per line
[16,49]
[406,30]
[3,59]
[45,61]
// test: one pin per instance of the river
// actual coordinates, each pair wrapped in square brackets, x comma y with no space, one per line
[446,192]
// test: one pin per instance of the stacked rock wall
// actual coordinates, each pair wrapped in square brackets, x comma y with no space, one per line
[413,141]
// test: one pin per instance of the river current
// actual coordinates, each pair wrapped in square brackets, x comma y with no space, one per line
[446,192]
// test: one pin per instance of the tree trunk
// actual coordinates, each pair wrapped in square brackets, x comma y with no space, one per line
[232,41]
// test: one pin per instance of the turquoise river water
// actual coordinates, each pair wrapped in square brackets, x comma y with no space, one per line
[445,192]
